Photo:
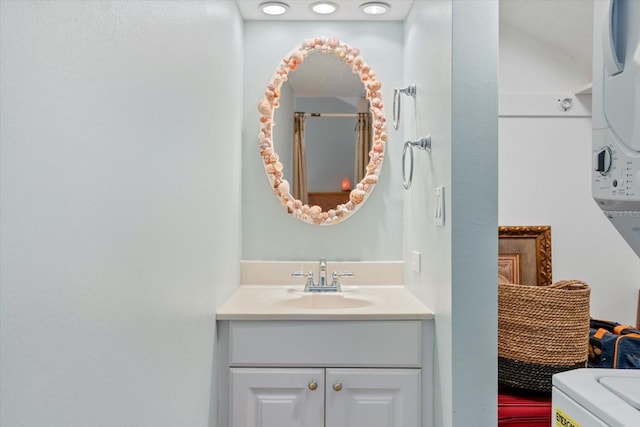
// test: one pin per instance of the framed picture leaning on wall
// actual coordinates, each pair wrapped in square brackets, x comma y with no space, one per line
[524,255]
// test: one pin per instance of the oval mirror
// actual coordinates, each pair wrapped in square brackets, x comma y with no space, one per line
[323,112]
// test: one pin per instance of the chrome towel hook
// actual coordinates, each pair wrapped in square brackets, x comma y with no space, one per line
[423,143]
[410,91]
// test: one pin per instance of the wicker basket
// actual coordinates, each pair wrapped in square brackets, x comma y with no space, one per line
[542,330]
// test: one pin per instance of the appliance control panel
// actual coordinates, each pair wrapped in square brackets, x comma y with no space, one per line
[616,172]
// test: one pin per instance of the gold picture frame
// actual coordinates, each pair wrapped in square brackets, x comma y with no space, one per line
[532,245]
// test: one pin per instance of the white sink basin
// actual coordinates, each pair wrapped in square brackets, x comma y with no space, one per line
[275,302]
[324,301]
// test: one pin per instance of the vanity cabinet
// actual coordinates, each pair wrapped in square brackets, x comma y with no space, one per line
[275,397]
[372,397]
[326,373]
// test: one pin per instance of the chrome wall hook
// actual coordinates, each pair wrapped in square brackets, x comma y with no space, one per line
[423,143]
[410,91]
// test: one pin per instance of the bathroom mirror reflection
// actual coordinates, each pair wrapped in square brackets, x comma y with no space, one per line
[322,131]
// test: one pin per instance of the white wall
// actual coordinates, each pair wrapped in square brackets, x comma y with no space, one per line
[116,153]
[375,231]
[453,62]
[545,178]
[430,113]
[528,66]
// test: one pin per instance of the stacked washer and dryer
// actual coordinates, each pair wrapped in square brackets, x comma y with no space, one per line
[611,397]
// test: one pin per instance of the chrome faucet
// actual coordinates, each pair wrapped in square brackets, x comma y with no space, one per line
[323,285]
[322,273]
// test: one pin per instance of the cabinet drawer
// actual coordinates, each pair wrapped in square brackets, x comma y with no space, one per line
[326,343]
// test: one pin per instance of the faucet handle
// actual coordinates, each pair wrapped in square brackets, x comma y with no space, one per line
[344,274]
[309,284]
[334,278]
[308,275]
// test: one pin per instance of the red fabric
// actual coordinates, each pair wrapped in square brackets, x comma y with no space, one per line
[523,409]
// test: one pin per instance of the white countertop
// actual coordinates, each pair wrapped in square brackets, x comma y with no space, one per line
[276,302]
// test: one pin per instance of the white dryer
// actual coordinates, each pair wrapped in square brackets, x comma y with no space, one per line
[596,398]
[616,115]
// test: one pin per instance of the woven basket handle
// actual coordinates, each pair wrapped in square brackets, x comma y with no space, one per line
[569,284]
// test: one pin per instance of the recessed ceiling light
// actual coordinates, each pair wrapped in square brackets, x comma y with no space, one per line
[375,8]
[324,7]
[274,8]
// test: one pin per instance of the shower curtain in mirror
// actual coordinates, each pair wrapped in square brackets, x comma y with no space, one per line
[363,144]
[299,159]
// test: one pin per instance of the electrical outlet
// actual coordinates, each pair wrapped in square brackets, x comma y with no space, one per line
[415,261]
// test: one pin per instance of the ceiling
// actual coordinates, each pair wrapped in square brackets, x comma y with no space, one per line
[562,24]
[566,25]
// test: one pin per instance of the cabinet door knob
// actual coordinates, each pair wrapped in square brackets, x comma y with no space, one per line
[313,385]
[337,386]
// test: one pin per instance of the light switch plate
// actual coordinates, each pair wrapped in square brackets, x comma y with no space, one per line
[438,203]
[415,261]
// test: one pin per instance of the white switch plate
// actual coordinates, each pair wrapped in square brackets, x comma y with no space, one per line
[415,261]
[438,203]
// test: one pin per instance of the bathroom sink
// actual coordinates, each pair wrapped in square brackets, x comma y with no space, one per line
[325,301]
[290,302]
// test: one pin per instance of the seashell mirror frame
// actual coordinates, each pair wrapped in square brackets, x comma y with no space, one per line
[273,167]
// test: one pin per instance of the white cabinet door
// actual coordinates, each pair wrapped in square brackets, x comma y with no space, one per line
[265,397]
[373,398]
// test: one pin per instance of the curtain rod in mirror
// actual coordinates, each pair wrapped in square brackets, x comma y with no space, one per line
[332,114]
